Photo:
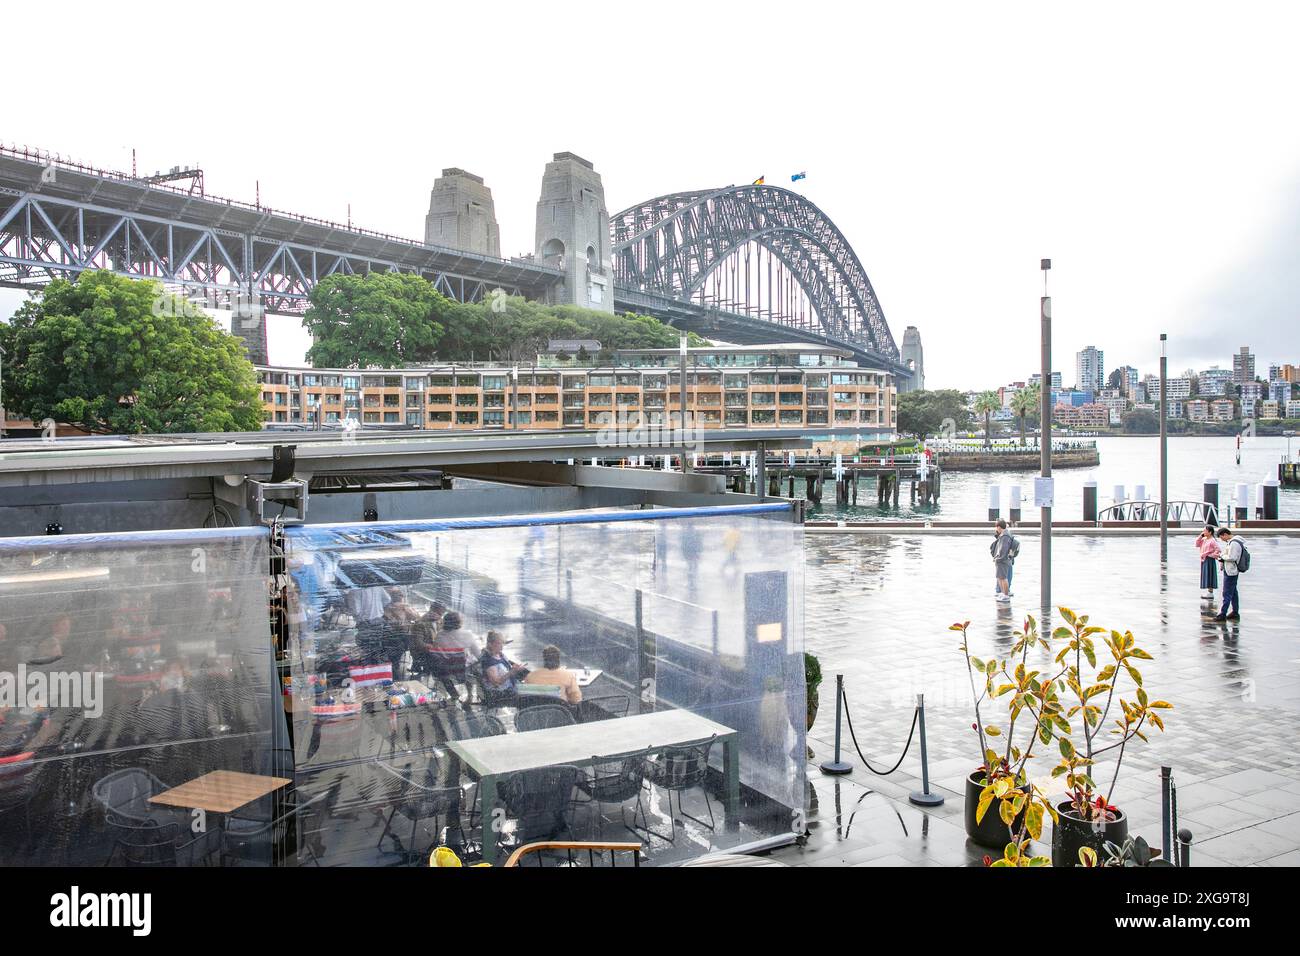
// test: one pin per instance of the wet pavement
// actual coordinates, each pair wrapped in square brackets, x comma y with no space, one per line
[878,609]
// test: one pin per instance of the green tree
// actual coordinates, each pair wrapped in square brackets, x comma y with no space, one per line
[986,403]
[1025,403]
[383,318]
[1140,421]
[923,413]
[120,355]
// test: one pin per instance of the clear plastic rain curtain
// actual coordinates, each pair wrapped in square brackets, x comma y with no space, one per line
[490,683]
[131,665]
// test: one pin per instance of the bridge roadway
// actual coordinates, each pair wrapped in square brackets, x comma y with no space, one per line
[59,219]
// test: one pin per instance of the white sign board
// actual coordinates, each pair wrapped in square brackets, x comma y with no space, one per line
[1044,489]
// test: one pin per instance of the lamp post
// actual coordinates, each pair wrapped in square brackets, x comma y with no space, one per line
[1164,450]
[514,397]
[1045,441]
[681,354]
[3,416]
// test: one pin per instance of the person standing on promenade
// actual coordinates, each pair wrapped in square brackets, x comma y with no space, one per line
[1209,551]
[1001,552]
[1234,561]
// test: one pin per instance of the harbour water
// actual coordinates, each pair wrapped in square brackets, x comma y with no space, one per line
[1127,461]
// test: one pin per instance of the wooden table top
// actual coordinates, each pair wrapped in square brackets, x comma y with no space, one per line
[221,791]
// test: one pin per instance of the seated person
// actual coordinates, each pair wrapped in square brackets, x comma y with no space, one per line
[552,674]
[453,635]
[500,674]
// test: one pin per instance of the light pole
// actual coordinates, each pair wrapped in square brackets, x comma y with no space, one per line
[1164,450]
[514,397]
[1045,442]
[3,416]
[681,352]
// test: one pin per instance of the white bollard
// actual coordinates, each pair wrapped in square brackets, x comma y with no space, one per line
[1121,494]
[995,505]
[1139,492]
[1242,501]
[1013,502]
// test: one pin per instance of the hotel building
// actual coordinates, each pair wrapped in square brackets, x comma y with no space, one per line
[795,386]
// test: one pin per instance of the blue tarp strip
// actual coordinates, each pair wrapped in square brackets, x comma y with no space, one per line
[308,532]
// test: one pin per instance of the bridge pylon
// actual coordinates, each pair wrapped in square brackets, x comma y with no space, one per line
[573,232]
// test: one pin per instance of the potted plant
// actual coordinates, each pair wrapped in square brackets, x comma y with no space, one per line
[812,675]
[1089,819]
[1133,852]
[1033,706]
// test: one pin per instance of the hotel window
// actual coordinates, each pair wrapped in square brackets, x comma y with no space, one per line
[844,398]
[575,418]
[632,380]
[372,381]
[817,416]
[415,384]
[392,401]
[351,382]
[655,382]
[845,415]
[548,417]
[494,382]
[435,399]
[736,416]
[762,417]
[467,418]
[391,418]
[413,419]
[814,381]
[711,418]
[789,378]
[816,398]
[494,400]
[792,398]
[737,399]
[441,381]
[628,398]
[600,381]
[763,398]
[524,418]
[791,416]
[415,400]
[762,378]
[467,400]
[440,416]
[598,400]
[372,417]
[736,381]
[546,398]
[467,381]
[494,418]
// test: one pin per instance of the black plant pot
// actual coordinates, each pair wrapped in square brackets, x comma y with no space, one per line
[990,832]
[1071,833]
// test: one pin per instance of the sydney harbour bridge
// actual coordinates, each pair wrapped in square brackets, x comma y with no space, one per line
[742,264]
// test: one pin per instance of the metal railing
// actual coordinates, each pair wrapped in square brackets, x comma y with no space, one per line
[1198,511]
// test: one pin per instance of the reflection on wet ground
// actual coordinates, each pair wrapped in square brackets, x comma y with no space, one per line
[878,611]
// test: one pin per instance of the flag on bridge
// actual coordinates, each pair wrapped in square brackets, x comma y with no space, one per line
[759,181]
[798,176]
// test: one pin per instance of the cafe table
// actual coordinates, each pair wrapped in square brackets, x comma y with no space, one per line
[493,758]
[220,791]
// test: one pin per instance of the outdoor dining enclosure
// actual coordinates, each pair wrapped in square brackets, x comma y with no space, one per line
[479,683]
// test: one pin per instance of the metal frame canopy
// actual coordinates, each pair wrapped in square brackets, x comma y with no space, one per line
[31,462]
[670,245]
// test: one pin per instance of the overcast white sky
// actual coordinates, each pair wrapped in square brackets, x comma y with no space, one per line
[1151,150]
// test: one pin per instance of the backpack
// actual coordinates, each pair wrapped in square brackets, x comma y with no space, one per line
[1243,562]
[1015,547]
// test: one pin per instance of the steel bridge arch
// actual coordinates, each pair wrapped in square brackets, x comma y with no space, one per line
[671,244]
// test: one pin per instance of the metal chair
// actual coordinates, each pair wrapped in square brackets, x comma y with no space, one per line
[419,798]
[125,794]
[158,844]
[681,768]
[605,707]
[618,779]
[245,837]
[540,801]
[542,716]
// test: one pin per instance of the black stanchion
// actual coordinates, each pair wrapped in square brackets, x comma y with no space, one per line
[1184,847]
[838,765]
[923,797]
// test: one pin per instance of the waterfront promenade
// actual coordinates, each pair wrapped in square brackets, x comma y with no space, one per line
[878,609]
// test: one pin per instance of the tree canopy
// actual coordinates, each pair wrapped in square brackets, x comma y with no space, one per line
[390,319]
[922,413]
[121,355]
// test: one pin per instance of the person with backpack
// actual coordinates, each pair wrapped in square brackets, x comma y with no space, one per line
[1001,550]
[1235,560]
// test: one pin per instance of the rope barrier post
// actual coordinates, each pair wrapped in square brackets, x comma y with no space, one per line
[1185,847]
[838,765]
[1166,830]
[923,797]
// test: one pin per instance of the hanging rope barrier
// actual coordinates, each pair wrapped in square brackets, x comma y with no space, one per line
[908,746]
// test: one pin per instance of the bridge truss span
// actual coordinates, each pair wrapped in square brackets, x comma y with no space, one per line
[757,251]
